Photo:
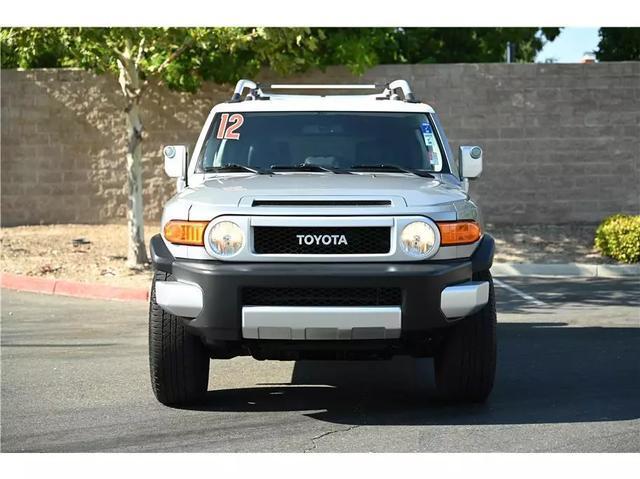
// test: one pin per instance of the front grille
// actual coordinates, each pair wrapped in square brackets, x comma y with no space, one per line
[321,296]
[304,240]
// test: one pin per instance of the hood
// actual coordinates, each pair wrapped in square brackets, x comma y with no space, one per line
[230,190]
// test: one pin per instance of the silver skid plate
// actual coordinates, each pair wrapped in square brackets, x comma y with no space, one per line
[321,323]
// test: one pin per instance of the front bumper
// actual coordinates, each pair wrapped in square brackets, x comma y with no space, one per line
[434,294]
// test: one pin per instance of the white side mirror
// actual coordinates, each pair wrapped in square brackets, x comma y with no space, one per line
[175,160]
[470,161]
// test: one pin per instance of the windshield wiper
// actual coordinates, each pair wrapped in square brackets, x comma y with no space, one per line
[393,169]
[233,167]
[307,167]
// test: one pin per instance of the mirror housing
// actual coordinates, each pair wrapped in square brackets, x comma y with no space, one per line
[176,158]
[470,161]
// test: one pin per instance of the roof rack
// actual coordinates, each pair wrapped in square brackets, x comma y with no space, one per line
[389,92]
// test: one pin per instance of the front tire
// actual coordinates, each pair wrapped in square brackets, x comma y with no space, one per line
[178,360]
[465,365]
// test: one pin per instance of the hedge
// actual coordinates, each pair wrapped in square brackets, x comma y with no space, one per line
[618,237]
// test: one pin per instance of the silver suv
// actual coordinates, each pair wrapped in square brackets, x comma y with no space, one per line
[317,226]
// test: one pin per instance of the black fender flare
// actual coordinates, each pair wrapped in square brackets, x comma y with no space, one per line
[482,258]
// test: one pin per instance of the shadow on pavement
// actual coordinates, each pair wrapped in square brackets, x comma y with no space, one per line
[547,373]
[573,292]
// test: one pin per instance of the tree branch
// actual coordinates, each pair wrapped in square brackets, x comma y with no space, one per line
[140,50]
[129,79]
[120,54]
[172,57]
[128,46]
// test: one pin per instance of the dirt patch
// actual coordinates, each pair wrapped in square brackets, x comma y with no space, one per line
[546,244]
[88,253]
[96,253]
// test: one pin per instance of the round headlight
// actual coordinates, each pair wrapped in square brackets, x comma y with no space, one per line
[226,238]
[418,239]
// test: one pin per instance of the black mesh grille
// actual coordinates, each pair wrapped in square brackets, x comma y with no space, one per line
[286,240]
[321,296]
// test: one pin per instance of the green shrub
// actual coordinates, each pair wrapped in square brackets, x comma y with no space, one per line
[618,237]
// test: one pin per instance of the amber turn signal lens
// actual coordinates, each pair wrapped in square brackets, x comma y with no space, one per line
[189,233]
[459,232]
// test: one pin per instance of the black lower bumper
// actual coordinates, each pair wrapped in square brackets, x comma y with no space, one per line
[222,283]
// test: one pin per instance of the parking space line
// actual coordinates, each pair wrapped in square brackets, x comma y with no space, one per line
[522,294]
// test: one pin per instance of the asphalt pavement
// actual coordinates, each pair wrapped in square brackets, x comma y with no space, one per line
[75,378]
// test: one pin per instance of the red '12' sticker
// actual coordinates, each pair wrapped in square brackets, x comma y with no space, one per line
[229,125]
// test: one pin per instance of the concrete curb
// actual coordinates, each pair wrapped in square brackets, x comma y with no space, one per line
[71,288]
[566,269]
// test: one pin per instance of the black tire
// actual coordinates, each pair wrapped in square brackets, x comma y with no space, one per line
[465,364]
[178,361]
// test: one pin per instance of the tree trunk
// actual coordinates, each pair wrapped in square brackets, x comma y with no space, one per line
[129,80]
[137,252]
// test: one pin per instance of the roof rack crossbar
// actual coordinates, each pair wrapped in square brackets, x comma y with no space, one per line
[332,86]
[390,91]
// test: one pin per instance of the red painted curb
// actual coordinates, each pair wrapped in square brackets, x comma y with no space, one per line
[71,288]
[27,283]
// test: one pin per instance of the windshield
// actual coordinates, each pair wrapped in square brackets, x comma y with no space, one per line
[337,140]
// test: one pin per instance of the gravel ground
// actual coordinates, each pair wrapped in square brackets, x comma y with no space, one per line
[546,244]
[100,256]
[49,252]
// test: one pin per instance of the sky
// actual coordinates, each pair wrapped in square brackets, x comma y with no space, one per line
[570,45]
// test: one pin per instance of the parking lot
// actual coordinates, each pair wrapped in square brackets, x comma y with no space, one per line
[75,378]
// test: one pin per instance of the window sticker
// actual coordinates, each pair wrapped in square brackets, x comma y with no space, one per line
[431,144]
[229,125]
[426,128]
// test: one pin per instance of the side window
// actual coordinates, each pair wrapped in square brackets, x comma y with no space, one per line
[210,149]
[453,164]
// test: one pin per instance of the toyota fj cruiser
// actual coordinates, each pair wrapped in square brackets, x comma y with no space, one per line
[316,226]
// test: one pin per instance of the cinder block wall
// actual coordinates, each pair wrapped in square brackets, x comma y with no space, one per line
[561,142]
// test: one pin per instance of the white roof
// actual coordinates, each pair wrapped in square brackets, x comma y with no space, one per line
[324,103]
